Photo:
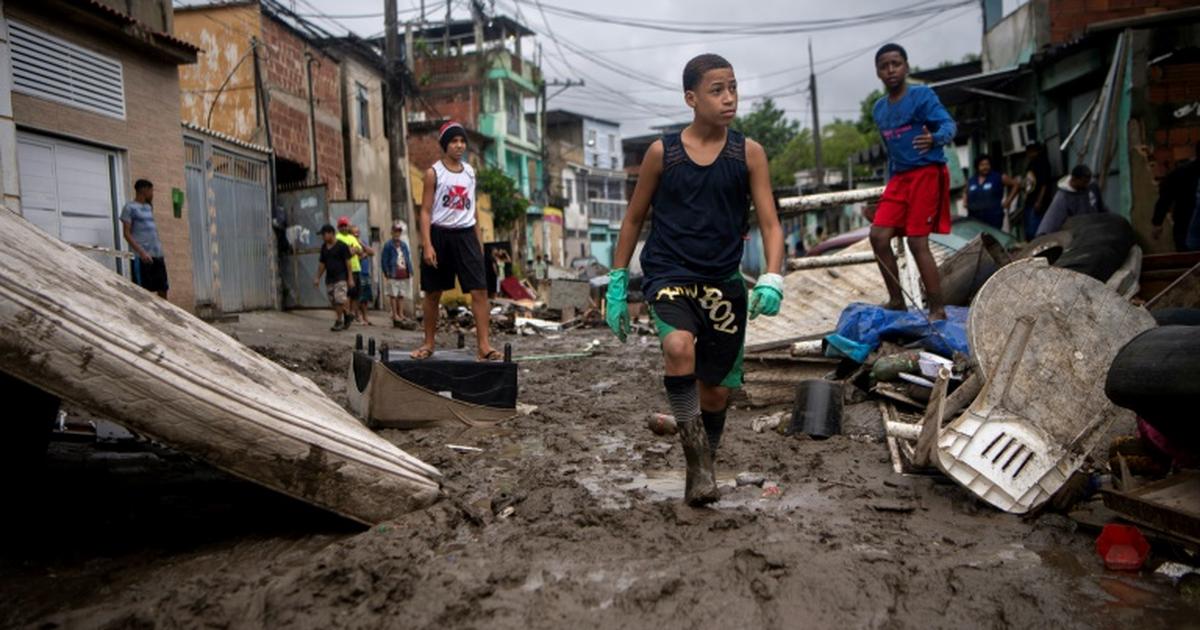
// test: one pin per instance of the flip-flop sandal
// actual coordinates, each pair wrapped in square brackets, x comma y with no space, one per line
[421,354]
[494,355]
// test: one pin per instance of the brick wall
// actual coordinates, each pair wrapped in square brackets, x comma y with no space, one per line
[1172,88]
[1069,18]
[423,149]
[286,78]
[149,138]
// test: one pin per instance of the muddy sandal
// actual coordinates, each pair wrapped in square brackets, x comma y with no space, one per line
[492,355]
[422,353]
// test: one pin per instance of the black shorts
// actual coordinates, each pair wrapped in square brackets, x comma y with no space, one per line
[715,313]
[151,276]
[459,254]
[352,292]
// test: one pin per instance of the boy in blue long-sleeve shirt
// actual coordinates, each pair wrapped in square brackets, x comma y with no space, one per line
[915,126]
[397,267]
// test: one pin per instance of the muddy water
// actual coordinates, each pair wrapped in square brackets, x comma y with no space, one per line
[570,517]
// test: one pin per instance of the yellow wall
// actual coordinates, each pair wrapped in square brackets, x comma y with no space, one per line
[223,35]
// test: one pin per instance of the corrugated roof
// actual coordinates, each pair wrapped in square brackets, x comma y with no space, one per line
[98,7]
[212,133]
[815,298]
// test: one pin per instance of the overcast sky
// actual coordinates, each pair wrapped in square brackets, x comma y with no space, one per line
[764,64]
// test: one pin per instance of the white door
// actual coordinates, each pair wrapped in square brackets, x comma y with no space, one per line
[68,190]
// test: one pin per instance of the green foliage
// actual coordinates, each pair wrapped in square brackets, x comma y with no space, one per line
[768,125]
[507,203]
[866,117]
[840,140]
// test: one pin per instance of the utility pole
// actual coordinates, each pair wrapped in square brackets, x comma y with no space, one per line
[397,126]
[812,89]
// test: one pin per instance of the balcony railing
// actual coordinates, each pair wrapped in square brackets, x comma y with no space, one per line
[611,210]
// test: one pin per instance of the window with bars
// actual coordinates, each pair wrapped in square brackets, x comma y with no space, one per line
[52,68]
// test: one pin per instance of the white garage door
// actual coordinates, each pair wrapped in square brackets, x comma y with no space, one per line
[67,189]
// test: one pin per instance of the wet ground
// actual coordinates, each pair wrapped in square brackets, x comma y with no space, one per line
[569,517]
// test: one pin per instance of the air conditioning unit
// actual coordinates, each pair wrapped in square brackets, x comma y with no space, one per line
[417,116]
[1019,136]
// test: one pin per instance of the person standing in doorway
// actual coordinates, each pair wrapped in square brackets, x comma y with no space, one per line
[1176,196]
[451,246]
[396,264]
[989,192]
[137,224]
[1038,188]
[915,126]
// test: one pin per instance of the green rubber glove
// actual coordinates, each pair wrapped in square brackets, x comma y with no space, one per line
[766,296]
[617,309]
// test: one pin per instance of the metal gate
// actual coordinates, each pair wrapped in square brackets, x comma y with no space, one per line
[233,249]
[306,210]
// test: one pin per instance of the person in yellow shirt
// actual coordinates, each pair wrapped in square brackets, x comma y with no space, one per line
[344,236]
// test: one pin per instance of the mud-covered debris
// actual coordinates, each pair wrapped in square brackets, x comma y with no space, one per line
[765,423]
[750,479]
[771,490]
[662,424]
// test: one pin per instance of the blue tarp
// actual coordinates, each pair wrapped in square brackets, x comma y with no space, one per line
[861,327]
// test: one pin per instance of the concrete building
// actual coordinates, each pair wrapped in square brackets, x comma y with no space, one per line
[77,149]
[367,163]
[474,71]
[263,80]
[584,161]
[1103,84]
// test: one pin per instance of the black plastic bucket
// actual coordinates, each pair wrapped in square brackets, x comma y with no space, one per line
[818,409]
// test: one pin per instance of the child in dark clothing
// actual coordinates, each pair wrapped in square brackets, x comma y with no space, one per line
[335,267]
[700,182]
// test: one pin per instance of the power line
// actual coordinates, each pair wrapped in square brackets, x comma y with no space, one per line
[922,8]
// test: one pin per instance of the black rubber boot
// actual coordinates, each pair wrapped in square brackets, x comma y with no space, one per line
[714,427]
[701,486]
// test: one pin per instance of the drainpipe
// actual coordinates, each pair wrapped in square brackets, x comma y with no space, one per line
[313,177]
[264,106]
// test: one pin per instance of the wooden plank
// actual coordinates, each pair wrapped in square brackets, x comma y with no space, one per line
[1182,293]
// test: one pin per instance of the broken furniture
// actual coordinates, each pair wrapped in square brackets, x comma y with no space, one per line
[75,329]
[390,390]
[1043,339]
[1171,505]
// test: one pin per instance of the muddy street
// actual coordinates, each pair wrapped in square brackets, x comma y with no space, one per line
[570,516]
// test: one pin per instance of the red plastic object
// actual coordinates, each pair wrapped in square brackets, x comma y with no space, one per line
[1122,547]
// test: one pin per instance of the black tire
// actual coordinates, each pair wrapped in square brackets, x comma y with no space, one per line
[1177,316]
[1155,375]
[1099,244]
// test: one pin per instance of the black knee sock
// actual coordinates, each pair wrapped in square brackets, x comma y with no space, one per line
[714,426]
[683,397]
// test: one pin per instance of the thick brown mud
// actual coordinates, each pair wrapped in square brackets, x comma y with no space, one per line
[571,516]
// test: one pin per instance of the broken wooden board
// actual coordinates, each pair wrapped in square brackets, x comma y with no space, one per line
[1171,505]
[815,298]
[1043,338]
[72,327]
[1184,292]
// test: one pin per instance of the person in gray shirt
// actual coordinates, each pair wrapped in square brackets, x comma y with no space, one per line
[137,224]
[1078,196]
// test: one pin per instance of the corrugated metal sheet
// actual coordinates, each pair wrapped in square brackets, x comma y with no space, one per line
[815,298]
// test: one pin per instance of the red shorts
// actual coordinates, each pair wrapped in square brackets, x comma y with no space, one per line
[916,202]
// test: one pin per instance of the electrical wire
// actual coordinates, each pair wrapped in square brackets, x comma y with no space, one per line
[923,8]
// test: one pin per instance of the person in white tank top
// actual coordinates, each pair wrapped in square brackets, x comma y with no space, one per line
[451,245]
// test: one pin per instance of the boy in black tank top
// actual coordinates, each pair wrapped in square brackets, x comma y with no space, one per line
[700,182]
